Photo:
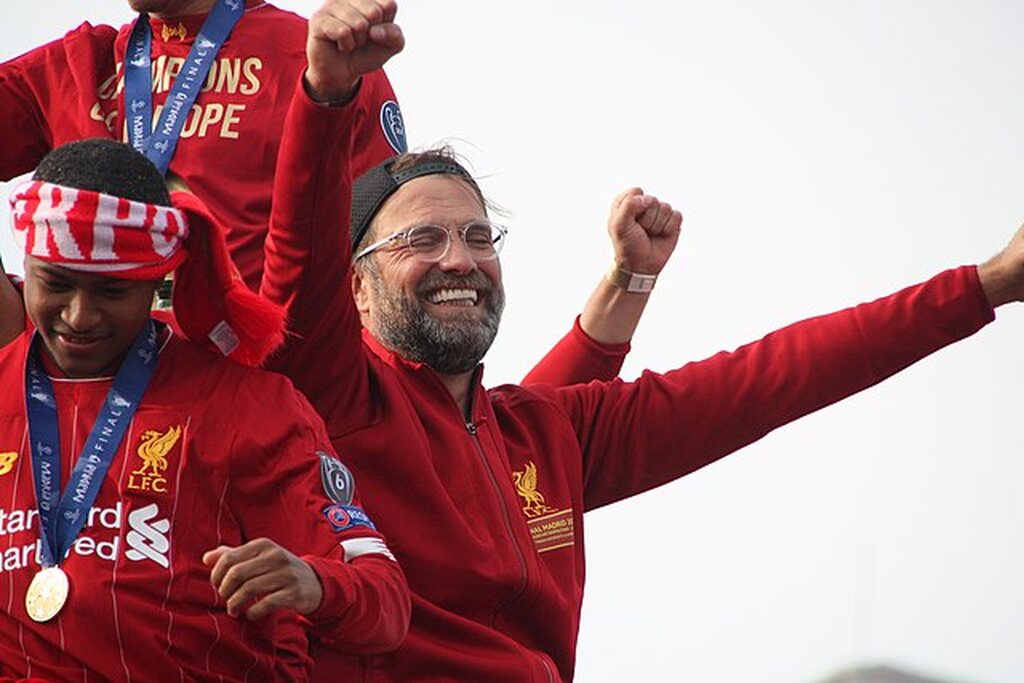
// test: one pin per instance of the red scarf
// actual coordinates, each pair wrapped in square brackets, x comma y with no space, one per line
[98,233]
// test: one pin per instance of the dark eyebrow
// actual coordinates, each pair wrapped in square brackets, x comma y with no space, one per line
[51,270]
[60,274]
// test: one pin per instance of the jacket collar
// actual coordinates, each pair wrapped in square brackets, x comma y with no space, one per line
[426,378]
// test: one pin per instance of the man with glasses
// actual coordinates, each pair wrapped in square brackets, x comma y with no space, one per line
[482,492]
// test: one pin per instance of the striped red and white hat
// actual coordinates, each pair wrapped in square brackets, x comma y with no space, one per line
[98,233]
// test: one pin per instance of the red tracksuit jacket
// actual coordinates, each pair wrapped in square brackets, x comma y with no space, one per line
[486,515]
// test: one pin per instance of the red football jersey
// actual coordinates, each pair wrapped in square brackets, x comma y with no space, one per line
[72,88]
[216,454]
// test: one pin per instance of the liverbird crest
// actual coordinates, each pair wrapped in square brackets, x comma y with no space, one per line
[526,487]
[179,32]
[153,449]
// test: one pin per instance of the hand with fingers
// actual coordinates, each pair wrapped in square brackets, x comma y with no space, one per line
[260,577]
[347,39]
[644,231]
[1002,276]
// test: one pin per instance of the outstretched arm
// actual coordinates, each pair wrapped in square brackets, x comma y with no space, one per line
[644,233]
[672,424]
[307,253]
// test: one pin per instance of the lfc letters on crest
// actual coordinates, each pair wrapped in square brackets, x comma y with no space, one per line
[153,449]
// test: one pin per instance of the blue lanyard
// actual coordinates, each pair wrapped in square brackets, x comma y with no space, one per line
[158,142]
[61,517]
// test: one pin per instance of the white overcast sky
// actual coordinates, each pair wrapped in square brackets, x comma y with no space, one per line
[823,153]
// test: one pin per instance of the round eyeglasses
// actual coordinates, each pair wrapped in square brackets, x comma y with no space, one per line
[431,243]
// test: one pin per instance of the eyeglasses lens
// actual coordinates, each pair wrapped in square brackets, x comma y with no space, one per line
[431,242]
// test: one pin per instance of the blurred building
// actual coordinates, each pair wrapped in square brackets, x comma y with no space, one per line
[879,674]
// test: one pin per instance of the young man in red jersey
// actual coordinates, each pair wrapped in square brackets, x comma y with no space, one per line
[166,511]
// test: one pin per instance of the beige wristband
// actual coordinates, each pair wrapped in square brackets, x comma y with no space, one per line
[635,283]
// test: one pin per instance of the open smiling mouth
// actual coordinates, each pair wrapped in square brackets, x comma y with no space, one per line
[77,341]
[452,296]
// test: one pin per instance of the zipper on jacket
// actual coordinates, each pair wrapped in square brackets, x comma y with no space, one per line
[472,429]
[547,669]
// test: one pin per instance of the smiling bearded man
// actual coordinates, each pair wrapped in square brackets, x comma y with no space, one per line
[452,344]
[452,340]
[482,491]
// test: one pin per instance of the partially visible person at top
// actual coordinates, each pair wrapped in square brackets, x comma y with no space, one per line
[82,86]
[169,512]
[482,491]
[229,121]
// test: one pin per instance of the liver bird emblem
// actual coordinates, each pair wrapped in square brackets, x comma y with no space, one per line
[153,450]
[526,487]
[179,32]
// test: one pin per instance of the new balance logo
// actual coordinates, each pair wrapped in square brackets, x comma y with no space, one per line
[7,461]
[148,540]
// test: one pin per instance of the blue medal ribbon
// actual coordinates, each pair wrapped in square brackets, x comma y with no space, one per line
[159,142]
[61,517]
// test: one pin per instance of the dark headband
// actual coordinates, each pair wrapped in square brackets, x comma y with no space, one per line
[371,189]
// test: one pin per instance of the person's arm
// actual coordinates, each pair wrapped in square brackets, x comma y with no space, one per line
[639,435]
[312,548]
[41,90]
[379,126]
[23,135]
[644,232]
[307,252]
[12,309]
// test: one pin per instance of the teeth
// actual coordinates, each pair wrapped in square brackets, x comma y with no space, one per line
[462,296]
[74,339]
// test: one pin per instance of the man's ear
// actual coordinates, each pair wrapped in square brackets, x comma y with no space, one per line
[360,292]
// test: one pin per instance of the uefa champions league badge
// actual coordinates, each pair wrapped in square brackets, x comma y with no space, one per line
[393,125]
[345,517]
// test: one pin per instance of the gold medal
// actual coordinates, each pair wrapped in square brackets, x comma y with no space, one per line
[46,594]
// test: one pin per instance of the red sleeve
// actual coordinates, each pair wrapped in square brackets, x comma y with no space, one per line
[378,124]
[639,435]
[24,136]
[47,87]
[578,359]
[375,607]
[284,475]
[307,258]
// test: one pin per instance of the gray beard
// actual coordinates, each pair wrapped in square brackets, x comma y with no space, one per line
[450,346]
